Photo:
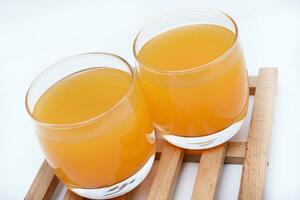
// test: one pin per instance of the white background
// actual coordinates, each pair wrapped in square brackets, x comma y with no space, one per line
[35,34]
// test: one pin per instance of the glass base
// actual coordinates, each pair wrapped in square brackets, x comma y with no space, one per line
[205,142]
[119,188]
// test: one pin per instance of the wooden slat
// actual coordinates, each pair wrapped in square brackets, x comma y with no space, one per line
[167,173]
[211,164]
[44,184]
[252,84]
[255,163]
[72,196]
[234,155]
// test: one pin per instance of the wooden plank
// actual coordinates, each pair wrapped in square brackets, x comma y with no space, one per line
[235,153]
[255,163]
[44,184]
[252,84]
[211,165]
[167,173]
[72,196]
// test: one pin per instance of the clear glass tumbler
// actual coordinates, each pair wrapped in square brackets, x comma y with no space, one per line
[193,75]
[93,125]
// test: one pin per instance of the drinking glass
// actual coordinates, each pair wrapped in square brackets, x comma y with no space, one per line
[193,75]
[97,157]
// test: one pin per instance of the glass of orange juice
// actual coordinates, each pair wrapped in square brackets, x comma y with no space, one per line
[93,125]
[194,78]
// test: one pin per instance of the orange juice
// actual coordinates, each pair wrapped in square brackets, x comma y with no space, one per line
[194,79]
[102,133]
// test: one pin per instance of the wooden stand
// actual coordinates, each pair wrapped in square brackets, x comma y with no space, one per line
[253,155]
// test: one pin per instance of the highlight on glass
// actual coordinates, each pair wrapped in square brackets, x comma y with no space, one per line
[93,125]
[193,75]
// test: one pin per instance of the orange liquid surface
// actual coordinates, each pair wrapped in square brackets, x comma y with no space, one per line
[199,102]
[102,151]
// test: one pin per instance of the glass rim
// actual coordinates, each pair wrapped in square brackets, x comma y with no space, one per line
[86,121]
[196,68]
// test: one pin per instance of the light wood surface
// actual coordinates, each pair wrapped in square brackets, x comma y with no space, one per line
[255,163]
[210,168]
[72,196]
[235,153]
[44,184]
[167,173]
